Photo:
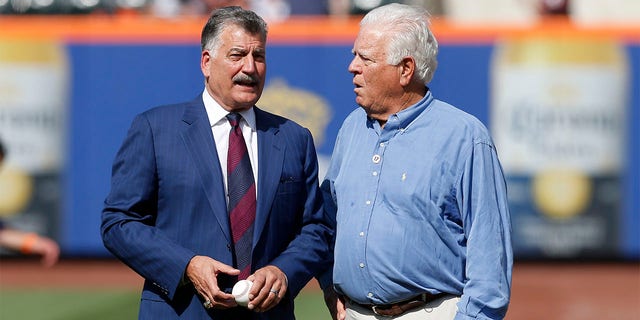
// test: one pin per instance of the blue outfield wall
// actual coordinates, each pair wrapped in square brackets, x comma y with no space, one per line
[111,83]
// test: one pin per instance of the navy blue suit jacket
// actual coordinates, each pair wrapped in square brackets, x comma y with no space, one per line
[167,204]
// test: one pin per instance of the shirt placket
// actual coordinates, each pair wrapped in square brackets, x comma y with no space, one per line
[375,170]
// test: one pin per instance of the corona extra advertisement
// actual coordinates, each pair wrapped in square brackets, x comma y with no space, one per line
[33,101]
[559,117]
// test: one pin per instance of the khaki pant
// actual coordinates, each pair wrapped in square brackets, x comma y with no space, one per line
[439,309]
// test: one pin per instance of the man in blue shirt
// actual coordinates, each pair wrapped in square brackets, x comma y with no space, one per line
[418,193]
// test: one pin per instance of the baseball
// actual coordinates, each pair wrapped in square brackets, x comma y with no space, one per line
[240,292]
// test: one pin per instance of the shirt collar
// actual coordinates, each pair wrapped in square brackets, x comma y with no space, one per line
[404,118]
[216,113]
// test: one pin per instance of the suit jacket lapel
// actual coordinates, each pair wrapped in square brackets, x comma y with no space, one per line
[270,160]
[199,141]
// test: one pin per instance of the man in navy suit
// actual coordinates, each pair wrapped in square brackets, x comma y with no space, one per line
[166,215]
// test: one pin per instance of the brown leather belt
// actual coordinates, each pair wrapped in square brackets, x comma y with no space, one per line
[398,308]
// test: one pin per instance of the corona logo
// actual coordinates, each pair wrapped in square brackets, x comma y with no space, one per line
[304,107]
[562,194]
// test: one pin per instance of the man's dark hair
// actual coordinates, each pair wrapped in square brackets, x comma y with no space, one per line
[223,17]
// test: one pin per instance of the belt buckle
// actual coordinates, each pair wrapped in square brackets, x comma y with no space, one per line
[374,308]
[402,306]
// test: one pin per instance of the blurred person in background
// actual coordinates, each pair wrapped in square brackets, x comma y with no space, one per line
[171,8]
[270,10]
[27,243]
[358,7]
[309,7]
[178,186]
[423,226]
[206,6]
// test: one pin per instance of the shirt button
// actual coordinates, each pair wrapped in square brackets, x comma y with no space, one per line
[361,265]
[368,202]
[361,234]
[375,173]
[381,144]
[376,158]
[370,294]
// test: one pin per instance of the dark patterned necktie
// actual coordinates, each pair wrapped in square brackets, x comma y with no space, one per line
[242,196]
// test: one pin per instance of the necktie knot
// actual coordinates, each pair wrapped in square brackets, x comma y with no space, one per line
[234,119]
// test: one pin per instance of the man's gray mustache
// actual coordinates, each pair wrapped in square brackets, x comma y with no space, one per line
[242,78]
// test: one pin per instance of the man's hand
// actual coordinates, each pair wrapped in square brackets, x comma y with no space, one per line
[335,304]
[269,286]
[202,271]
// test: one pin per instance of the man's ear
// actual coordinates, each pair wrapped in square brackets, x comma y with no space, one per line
[205,63]
[407,69]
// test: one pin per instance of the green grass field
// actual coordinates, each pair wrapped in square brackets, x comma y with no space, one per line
[108,304]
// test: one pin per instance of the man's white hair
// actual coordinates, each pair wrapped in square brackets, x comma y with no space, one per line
[409,34]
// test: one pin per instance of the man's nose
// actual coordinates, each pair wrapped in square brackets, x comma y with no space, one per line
[354,66]
[249,64]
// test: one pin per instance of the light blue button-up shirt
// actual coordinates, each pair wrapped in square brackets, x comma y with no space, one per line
[421,207]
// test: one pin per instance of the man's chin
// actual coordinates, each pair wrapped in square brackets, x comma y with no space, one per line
[248,91]
[247,102]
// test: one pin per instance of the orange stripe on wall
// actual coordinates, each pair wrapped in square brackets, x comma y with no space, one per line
[143,29]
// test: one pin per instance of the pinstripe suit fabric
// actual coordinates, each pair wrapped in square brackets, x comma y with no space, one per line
[167,204]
